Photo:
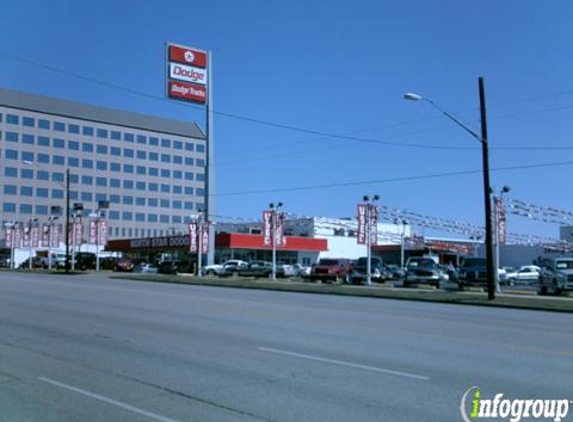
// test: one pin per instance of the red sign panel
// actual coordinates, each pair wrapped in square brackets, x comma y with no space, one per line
[187,91]
[193,241]
[267,227]
[188,56]
[361,232]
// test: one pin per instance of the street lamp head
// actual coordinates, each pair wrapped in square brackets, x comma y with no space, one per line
[271,205]
[365,198]
[412,97]
[280,204]
[505,189]
[376,197]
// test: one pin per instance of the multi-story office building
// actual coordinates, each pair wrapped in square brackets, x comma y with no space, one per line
[151,170]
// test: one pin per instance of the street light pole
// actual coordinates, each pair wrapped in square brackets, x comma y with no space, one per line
[497,202]
[274,211]
[369,208]
[483,139]
[67,221]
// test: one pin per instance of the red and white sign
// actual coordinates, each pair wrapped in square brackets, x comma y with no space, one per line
[501,221]
[26,240]
[92,236]
[187,73]
[193,241]
[35,236]
[187,91]
[187,55]
[18,235]
[45,235]
[267,227]
[9,239]
[102,233]
[204,238]
[373,225]
[76,232]
[361,232]
[280,232]
[55,236]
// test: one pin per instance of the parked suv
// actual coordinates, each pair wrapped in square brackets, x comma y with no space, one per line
[220,269]
[330,270]
[378,272]
[423,270]
[473,272]
[556,276]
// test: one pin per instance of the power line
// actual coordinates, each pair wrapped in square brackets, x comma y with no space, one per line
[391,180]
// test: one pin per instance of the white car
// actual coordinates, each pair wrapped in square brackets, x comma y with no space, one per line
[145,268]
[527,274]
[218,269]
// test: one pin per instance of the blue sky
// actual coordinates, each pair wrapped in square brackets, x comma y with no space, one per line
[334,67]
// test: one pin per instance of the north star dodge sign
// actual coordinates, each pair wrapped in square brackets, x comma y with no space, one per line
[186,74]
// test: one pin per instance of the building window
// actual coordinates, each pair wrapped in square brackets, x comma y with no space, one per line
[87,180]
[44,141]
[42,209]
[188,190]
[153,156]
[177,174]
[114,199]
[27,156]
[189,161]
[115,151]
[28,121]
[165,188]
[57,193]
[127,200]
[59,127]
[43,158]
[166,143]
[75,129]
[152,218]
[189,146]
[141,139]
[12,119]
[177,205]
[11,136]
[188,175]
[200,162]
[139,201]
[114,183]
[10,190]
[58,160]
[165,173]
[200,177]
[42,192]
[153,171]
[25,209]
[11,154]
[87,147]
[152,202]
[128,137]
[141,155]
[114,215]
[74,145]
[128,152]
[43,175]
[74,195]
[88,131]
[101,149]
[10,172]
[87,164]
[44,124]
[140,185]
[73,162]
[128,168]
[127,216]
[128,184]
[188,205]
[115,167]
[115,135]
[101,181]
[165,158]
[200,148]
[87,196]
[74,178]
[9,207]
[139,216]
[177,145]
[102,133]
[153,141]
[177,159]
[177,189]
[100,197]
[164,203]
[28,139]
[164,218]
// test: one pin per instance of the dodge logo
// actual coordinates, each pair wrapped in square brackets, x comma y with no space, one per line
[189,56]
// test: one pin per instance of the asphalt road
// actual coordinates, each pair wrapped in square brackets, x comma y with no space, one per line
[87,348]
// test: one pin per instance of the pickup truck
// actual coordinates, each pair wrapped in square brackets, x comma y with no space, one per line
[330,270]
[556,276]
[225,267]
[378,273]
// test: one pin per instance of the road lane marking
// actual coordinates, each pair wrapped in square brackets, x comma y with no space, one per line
[343,363]
[106,400]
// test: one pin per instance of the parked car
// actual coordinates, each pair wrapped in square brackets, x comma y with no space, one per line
[218,269]
[423,270]
[255,269]
[556,276]
[473,272]
[123,265]
[527,274]
[301,270]
[378,272]
[395,272]
[330,270]
[85,261]
[107,263]
[36,263]
[145,268]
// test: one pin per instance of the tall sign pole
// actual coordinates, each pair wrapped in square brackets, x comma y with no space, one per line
[189,79]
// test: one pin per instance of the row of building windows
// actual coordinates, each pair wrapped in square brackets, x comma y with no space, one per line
[26,173]
[113,215]
[13,119]
[89,197]
[88,147]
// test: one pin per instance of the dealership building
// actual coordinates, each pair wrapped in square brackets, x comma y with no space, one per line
[151,170]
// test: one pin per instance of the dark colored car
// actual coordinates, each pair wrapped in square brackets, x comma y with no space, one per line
[395,272]
[174,266]
[330,270]
[378,272]
[423,270]
[85,261]
[473,272]
[123,265]
[255,269]
[107,263]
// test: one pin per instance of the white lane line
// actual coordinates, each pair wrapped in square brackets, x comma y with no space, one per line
[106,400]
[343,363]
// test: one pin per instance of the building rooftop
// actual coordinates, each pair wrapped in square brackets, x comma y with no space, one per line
[71,109]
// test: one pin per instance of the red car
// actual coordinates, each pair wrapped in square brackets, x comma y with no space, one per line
[123,265]
[331,270]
